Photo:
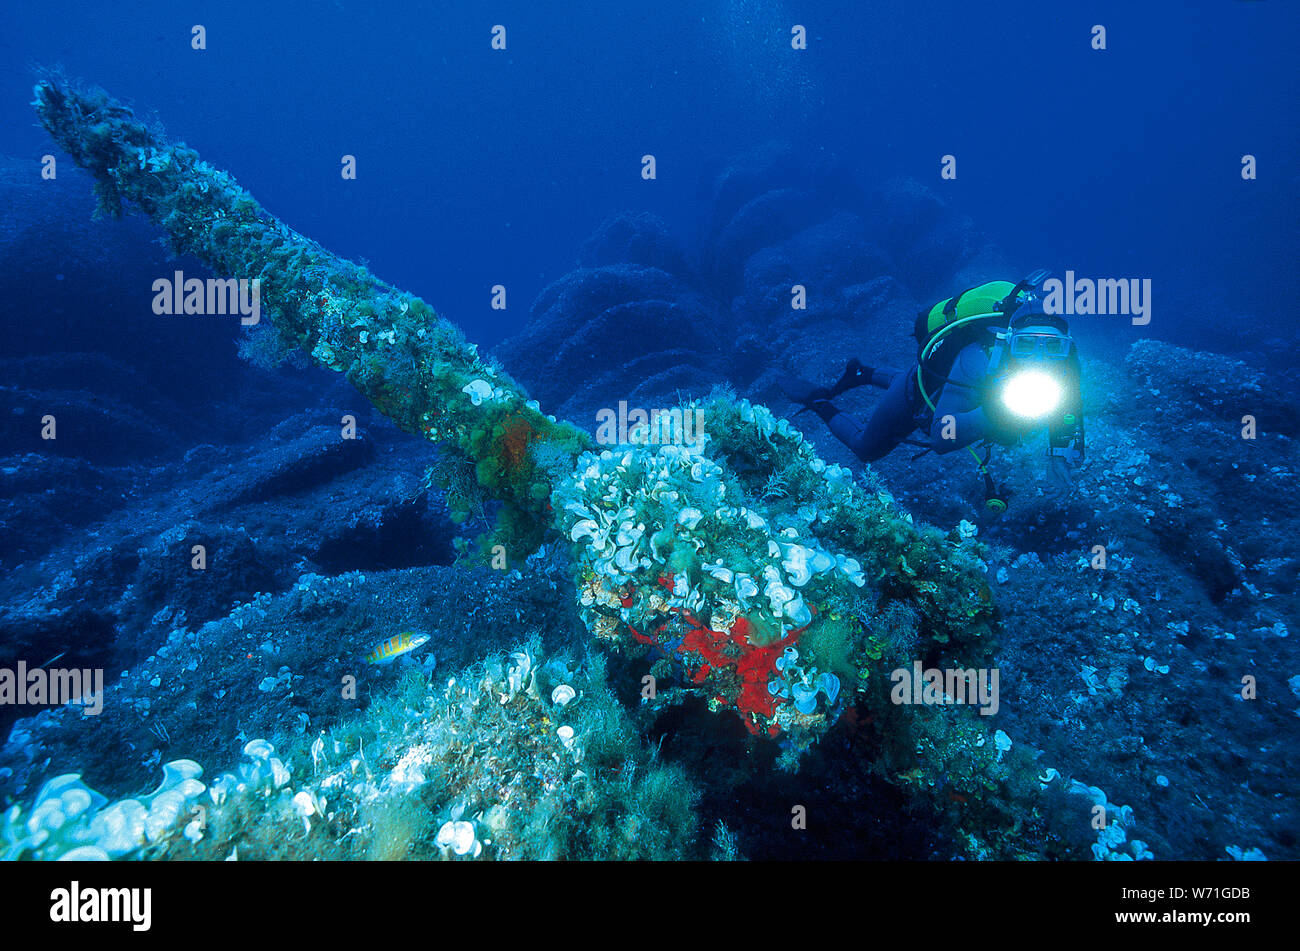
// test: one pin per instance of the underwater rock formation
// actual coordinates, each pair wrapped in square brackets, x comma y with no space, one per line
[776,220]
[620,331]
[273,666]
[137,423]
[90,583]
[927,241]
[519,756]
[762,198]
[640,240]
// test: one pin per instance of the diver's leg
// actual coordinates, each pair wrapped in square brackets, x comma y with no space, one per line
[855,375]
[890,423]
[882,377]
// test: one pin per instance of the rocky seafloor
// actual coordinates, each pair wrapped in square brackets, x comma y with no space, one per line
[1128,677]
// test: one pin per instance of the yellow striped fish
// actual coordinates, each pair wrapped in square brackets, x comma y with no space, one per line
[389,649]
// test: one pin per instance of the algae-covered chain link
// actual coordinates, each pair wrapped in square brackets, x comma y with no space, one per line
[414,366]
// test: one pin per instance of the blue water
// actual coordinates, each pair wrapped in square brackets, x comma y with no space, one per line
[480,167]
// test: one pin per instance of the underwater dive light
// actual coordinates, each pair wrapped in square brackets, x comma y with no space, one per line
[1032,394]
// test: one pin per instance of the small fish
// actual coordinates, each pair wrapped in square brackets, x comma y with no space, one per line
[388,650]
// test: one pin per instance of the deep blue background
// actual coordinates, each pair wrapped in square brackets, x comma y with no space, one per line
[480,167]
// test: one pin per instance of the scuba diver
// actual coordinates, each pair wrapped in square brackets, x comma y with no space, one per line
[992,366]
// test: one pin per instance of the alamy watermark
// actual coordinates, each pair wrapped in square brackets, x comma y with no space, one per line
[1107,296]
[656,427]
[40,686]
[102,905]
[954,685]
[178,295]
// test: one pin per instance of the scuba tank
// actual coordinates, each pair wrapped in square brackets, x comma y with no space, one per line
[986,305]
[986,300]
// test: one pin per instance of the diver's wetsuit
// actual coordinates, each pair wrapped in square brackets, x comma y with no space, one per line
[901,411]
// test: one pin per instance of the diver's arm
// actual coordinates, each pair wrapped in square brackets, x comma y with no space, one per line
[952,430]
[890,423]
[1065,437]
[1065,433]
[959,418]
